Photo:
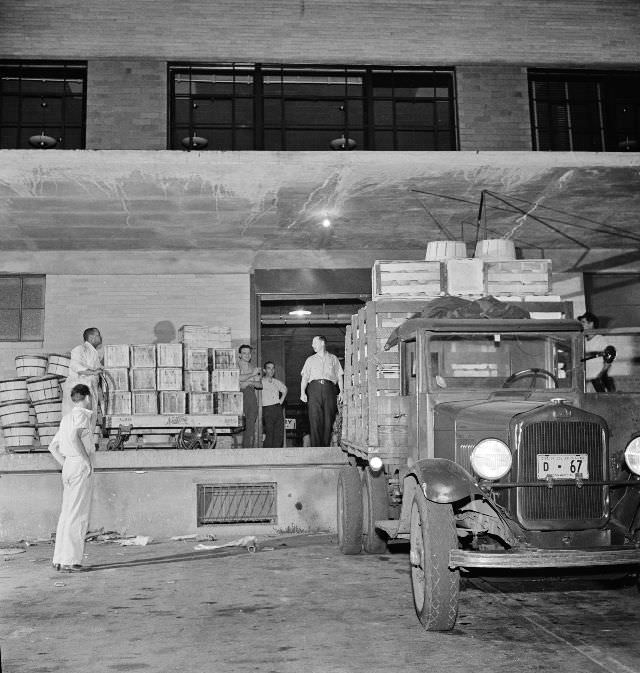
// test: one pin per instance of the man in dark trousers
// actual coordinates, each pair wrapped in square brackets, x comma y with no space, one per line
[321,384]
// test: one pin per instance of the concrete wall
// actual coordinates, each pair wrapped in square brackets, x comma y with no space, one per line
[153,492]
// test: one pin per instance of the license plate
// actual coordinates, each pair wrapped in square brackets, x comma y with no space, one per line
[563,465]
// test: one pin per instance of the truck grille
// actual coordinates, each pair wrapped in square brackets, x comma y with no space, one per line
[580,507]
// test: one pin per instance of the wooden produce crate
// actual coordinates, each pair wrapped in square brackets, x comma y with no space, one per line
[200,403]
[224,358]
[169,355]
[143,355]
[227,403]
[196,359]
[196,381]
[172,402]
[116,379]
[204,336]
[518,277]
[115,356]
[374,414]
[227,380]
[406,278]
[144,403]
[465,277]
[143,378]
[169,378]
[119,403]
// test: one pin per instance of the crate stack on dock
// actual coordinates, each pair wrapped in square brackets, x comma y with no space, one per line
[374,417]
[209,349]
[198,376]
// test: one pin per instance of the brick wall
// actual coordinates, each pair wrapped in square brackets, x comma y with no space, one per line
[434,32]
[493,108]
[490,42]
[126,104]
[130,308]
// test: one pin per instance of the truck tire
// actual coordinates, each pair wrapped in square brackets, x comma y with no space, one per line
[349,510]
[375,507]
[435,586]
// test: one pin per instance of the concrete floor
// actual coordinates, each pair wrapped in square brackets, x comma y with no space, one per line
[295,605]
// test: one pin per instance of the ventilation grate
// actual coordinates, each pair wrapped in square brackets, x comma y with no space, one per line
[236,503]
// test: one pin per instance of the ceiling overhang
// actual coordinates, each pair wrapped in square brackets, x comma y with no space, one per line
[270,201]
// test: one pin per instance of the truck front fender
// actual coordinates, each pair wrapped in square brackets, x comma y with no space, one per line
[442,480]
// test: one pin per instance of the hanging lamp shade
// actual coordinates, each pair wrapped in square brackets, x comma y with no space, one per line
[343,143]
[42,141]
[194,142]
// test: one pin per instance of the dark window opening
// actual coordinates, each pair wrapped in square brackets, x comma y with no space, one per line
[42,105]
[591,112]
[277,107]
[22,308]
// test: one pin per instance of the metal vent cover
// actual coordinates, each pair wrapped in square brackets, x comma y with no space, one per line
[236,503]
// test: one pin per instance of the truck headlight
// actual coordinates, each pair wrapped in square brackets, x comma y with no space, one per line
[632,455]
[491,459]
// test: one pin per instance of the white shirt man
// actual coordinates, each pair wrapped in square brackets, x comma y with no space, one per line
[322,377]
[85,367]
[273,396]
[73,448]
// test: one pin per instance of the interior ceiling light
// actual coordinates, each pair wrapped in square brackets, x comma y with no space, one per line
[42,141]
[627,144]
[343,143]
[300,312]
[326,222]
[194,142]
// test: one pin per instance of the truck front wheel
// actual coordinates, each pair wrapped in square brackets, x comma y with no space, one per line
[349,508]
[435,586]
[375,507]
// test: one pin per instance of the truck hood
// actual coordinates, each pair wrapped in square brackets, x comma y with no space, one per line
[481,416]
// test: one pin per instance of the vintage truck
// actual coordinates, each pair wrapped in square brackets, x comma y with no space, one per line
[475,439]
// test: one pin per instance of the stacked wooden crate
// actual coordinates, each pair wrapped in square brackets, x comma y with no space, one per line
[198,376]
[375,417]
[215,386]
[469,277]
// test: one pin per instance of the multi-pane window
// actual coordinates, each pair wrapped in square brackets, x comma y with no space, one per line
[42,105]
[22,308]
[585,111]
[278,107]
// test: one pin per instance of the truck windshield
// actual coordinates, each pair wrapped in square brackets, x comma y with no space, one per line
[494,361]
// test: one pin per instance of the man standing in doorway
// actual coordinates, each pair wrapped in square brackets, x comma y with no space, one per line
[85,367]
[273,395]
[250,380]
[322,377]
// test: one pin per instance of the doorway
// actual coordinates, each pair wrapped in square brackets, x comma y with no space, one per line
[287,327]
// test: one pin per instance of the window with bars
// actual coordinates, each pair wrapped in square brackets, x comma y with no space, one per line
[42,105]
[22,308]
[281,107]
[591,112]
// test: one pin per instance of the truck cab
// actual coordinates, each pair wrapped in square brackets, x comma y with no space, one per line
[504,458]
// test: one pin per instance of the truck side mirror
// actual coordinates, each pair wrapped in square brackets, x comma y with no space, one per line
[609,354]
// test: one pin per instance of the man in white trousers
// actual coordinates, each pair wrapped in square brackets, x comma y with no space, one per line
[73,447]
[85,367]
